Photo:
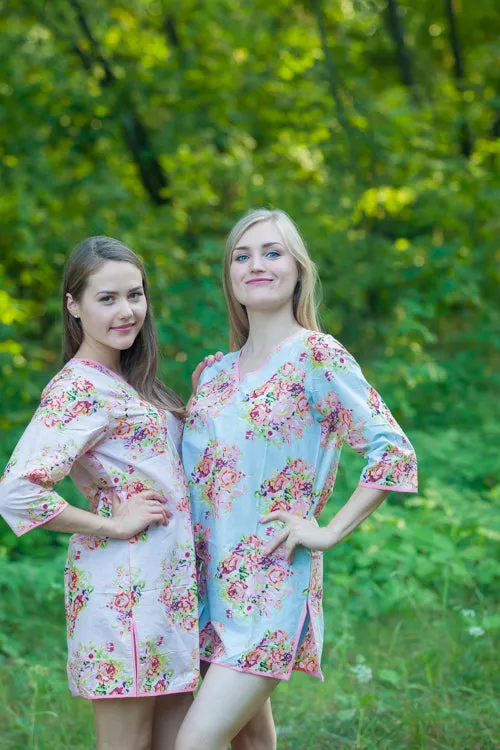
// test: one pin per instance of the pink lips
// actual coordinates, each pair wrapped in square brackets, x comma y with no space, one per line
[259,281]
[124,329]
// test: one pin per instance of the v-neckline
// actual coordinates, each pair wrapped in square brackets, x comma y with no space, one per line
[276,347]
[98,365]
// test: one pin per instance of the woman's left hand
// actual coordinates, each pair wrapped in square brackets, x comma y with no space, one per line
[298,531]
[205,362]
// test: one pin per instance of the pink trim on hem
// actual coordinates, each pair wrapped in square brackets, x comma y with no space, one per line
[319,674]
[135,655]
[386,488]
[42,523]
[244,671]
[291,669]
[299,631]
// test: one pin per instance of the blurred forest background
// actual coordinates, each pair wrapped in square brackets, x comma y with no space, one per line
[376,125]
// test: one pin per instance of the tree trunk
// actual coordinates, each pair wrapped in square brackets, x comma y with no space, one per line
[403,55]
[135,135]
[459,71]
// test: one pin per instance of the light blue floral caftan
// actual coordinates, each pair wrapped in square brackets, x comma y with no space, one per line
[269,442]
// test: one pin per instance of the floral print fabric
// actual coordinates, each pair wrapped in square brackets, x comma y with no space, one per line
[272,442]
[131,606]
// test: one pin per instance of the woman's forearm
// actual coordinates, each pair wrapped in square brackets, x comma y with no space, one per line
[77,521]
[360,505]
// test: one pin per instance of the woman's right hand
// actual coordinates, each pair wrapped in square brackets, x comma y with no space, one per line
[137,513]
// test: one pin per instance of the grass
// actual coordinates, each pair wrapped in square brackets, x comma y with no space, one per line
[416,680]
[409,682]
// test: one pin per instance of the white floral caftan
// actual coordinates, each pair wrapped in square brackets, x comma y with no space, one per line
[272,442]
[131,606]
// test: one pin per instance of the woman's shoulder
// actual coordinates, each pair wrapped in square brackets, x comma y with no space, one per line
[219,366]
[83,377]
[321,346]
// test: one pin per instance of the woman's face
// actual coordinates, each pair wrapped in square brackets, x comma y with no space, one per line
[263,271]
[113,306]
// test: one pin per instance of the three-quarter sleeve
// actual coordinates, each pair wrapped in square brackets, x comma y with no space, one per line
[71,418]
[351,411]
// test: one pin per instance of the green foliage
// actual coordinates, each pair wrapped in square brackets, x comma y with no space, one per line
[161,123]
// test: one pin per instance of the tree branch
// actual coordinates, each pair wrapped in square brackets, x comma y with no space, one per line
[335,85]
[136,137]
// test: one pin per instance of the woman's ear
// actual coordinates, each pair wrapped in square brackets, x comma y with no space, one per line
[72,306]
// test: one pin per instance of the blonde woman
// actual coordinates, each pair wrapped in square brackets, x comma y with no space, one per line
[261,450]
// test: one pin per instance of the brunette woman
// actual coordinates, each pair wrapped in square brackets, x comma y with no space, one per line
[106,419]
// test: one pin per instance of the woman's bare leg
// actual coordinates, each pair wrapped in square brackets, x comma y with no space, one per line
[226,701]
[123,723]
[259,733]
[169,714]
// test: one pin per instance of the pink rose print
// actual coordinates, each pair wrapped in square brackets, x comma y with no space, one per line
[291,490]
[273,655]
[279,410]
[39,475]
[81,407]
[250,583]
[106,672]
[237,591]
[152,665]
[211,398]
[216,477]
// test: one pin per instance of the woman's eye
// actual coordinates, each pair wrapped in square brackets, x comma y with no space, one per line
[136,295]
[241,257]
[272,254]
[108,298]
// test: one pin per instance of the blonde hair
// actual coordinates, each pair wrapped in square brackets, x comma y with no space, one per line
[305,294]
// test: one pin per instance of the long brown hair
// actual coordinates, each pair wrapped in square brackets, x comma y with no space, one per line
[306,292]
[139,363]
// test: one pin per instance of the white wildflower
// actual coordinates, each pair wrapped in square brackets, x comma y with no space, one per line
[476,632]
[362,673]
[468,612]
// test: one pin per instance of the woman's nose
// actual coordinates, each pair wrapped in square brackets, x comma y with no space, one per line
[256,263]
[125,309]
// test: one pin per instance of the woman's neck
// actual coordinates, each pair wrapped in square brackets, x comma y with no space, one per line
[267,329]
[110,358]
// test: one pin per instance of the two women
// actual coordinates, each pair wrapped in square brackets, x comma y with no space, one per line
[261,448]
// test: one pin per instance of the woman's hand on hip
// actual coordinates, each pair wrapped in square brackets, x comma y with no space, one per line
[297,531]
[137,513]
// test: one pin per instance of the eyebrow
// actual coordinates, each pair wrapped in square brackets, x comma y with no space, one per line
[264,245]
[110,291]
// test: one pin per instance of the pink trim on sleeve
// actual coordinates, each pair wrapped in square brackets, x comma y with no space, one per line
[25,530]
